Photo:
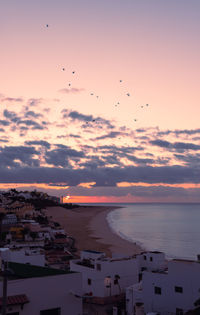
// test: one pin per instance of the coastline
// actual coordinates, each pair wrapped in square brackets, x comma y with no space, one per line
[91,230]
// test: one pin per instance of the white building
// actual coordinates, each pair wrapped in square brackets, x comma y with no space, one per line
[169,291]
[25,256]
[105,277]
[37,290]
[26,244]
[9,219]
[151,261]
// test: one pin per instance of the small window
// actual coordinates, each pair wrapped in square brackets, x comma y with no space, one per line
[179,311]
[140,277]
[89,281]
[53,311]
[98,266]
[157,290]
[116,281]
[151,258]
[145,257]
[178,289]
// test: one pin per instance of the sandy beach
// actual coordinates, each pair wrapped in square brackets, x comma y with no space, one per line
[89,227]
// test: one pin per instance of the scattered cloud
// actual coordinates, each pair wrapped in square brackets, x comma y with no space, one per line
[34,101]
[112,134]
[11,99]
[31,113]
[4,123]
[73,90]
[39,142]
[176,145]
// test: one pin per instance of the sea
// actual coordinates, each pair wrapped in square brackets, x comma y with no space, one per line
[170,228]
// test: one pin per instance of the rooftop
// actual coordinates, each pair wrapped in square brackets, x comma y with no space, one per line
[92,251]
[23,271]
[15,300]
[185,260]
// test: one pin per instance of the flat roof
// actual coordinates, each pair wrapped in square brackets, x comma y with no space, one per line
[92,251]
[185,260]
[19,270]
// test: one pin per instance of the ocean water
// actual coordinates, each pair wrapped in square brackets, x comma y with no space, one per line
[171,228]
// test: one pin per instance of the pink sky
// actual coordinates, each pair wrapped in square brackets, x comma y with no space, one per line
[47,125]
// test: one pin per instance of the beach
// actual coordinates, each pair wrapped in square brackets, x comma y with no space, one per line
[89,227]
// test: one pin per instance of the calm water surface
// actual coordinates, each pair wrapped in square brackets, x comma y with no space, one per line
[172,228]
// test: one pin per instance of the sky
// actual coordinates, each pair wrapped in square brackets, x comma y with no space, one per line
[99,99]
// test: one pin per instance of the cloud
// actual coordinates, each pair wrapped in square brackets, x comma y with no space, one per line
[32,114]
[111,135]
[72,90]
[39,142]
[34,101]
[176,145]
[179,132]
[74,136]
[103,176]
[11,99]
[95,121]
[11,115]
[62,156]
[186,146]
[4,123]
[4,141]
[15,156]
[161,143]
[31,123]
[141,130]
[78,116]
[189,159]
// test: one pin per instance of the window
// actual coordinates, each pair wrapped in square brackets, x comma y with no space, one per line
[145,257]
[89,281]
[98,266]
[178,289]
[116,281]
[179,311]
[52,311]
[151,258]
[157,290]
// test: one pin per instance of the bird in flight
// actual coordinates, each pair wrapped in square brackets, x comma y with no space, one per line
[73,72]
[120,81]
[147,104]
[63,69]
[127,94]
[91,93]
[69,84]
[47,25]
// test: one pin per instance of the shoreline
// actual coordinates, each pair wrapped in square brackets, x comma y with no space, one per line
[89,227]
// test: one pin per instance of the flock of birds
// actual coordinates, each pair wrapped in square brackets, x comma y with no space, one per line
[97,96]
